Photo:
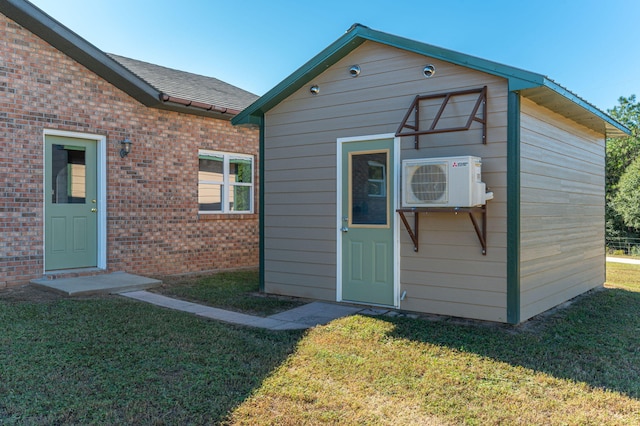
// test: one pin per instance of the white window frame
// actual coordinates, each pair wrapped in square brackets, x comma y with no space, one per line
[227,185]
[382,182]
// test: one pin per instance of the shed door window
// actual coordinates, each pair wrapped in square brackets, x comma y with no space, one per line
[368,188]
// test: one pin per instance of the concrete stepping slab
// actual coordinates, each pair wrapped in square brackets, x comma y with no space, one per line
[116,282]
[289,326]
[374,312]
[396,314]
[316,313]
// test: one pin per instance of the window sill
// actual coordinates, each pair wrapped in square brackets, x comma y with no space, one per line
[227,216]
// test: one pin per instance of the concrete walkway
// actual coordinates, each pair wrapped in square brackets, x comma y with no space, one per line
[623,260]
[133,287]
[303,317]
[306,316]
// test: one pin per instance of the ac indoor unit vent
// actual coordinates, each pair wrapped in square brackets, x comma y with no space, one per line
[443,182]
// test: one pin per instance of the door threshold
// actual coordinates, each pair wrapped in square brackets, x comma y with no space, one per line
[374,305]
[75,272]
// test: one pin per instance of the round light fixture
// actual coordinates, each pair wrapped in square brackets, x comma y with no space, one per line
[429,70]
[354,70]
[315,89]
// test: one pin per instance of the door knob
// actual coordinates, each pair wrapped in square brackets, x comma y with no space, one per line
[344,229]
[93,210]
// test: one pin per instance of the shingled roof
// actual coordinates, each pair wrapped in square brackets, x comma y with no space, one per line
[152,85]
[184,87]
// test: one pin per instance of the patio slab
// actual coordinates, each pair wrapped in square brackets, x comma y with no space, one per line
[116,282]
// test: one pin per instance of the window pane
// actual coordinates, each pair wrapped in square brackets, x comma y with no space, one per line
[240,199]
[69,180]
[376,188]
[376,170]
[210,197]
[368,196]
[211,169]
[225,182]
[240,171]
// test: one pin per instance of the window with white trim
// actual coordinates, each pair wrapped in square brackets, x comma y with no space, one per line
[377,179]
[225,182]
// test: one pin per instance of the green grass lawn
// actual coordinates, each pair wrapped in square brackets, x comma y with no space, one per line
[109,360]
[114,361]
[236,291]
[624,276]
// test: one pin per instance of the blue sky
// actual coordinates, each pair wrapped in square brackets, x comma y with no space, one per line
[588,46]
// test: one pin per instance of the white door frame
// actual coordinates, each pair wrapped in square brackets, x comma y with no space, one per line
[101,148]
[394,206]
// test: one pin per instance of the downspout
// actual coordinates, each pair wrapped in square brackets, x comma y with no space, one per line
[513,208]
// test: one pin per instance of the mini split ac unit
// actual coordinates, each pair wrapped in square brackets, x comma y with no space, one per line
[443,182]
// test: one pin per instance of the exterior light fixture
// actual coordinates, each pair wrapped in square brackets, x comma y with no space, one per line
[315,89]
[354,70]
[126,147]
[429,70]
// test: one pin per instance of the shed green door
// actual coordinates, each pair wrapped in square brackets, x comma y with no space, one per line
[71,225]
[367,218]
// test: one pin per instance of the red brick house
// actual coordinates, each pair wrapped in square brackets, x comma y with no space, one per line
[76,196]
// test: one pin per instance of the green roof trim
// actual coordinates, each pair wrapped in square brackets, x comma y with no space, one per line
[518,79]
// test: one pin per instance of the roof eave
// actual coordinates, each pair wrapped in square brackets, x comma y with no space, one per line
[194,107]
[612,127]
[553,96]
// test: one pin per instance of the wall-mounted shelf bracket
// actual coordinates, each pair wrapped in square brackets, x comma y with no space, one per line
[478,114]
[472,211]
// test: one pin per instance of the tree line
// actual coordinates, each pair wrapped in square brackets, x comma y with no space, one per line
[623,173]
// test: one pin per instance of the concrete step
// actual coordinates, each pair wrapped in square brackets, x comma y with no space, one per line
[73,273]
[115,282]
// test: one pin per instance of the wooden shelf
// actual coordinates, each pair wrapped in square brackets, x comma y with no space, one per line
[413,233]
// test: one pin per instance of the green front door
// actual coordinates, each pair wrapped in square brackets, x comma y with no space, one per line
[71,225]
[367,219]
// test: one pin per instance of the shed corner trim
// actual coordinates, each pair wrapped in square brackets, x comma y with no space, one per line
[513,208]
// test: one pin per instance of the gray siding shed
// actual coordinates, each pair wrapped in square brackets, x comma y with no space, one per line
[541,166]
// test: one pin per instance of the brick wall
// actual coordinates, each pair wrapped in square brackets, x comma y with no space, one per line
[153,225]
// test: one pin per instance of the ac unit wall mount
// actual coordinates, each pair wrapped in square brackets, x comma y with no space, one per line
[443,182]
